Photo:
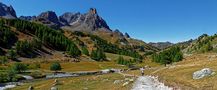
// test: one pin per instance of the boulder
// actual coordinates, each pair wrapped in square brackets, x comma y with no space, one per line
[53,88]
[105,71]
[203,73]
[126,83]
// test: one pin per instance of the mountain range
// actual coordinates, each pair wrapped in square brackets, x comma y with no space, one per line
[90,23]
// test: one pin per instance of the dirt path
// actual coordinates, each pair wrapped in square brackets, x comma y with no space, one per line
[149,83]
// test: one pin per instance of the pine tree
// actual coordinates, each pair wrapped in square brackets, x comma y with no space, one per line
[85,51]
[55,66]
[12,54]
[98,55]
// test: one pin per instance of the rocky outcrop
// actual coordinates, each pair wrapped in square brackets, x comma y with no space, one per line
[126,35]
[7,11]
[93,20]
[90,21]
[116,31]
[161,45]
[27,18]
[203,73]
[70,18]
[49,18]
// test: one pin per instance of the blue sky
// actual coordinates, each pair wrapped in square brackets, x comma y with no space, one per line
[148,20]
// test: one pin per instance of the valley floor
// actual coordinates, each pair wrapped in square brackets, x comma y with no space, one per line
[177,75]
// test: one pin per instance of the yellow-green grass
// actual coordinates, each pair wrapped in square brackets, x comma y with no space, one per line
[83,66]
[180,74]
[101,82]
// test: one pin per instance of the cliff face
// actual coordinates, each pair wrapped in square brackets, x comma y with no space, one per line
[90,21]
[7,11]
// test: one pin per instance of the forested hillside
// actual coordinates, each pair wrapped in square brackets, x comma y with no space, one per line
[28,39]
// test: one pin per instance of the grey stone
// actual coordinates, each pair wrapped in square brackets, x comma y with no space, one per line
[202,73]
[53,88]
[49,18]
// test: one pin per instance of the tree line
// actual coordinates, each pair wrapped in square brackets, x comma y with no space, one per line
[49,37]
[7,36]
[168,56]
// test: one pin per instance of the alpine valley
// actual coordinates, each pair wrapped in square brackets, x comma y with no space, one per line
[79,51]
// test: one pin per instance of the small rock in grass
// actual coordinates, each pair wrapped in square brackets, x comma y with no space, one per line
[131,80]
[117,81]
[126,83]
[85,88]
[54,88]
[203,73]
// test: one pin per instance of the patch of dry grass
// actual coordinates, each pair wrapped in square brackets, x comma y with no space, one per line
[180,74]
[101,82]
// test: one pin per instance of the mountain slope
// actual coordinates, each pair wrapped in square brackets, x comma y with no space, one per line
[7,11]
[161,45]
[97,34]
[204,43]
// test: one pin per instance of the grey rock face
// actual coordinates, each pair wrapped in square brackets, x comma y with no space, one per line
[7,11]
[116,31]
[27,18]
[161,45]
[94,20]
[203,73]
[90,20]
[69,18]
[49,18]
[127,35]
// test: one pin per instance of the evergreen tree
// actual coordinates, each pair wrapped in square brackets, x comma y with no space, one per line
[173,54]
[98,55]
[12,54]
[19,67]
[85,51]
[3,60]
[1,52]
[55,66]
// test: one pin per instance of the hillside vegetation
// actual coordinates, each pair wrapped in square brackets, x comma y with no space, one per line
[41,37]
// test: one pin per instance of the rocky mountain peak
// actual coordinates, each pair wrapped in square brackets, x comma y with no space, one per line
[7,11]
[50,15]
[127,35]
[27,18]
[116,31]
[49,18]
[69,18]
[93,11]
[94,21]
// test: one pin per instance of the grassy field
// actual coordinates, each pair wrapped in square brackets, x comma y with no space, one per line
[176,75]
[85,64]
[180,74]
[100,82]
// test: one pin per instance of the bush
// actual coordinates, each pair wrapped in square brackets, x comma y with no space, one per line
[37,75]
[3,60]
[12,54]
[34,66]
[122,61]
[98,55]
[9,76]
[19,67]
[55,66]
[85,51]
